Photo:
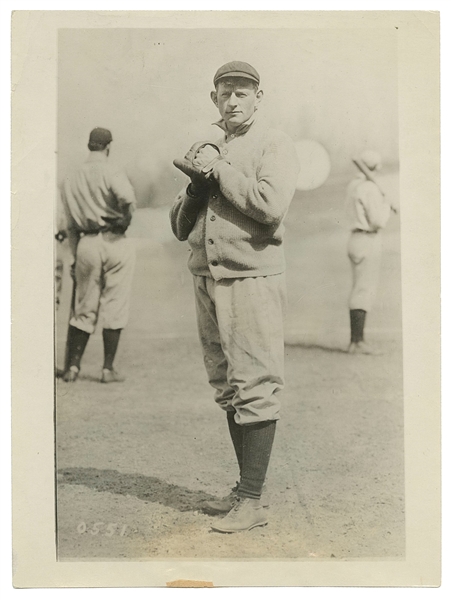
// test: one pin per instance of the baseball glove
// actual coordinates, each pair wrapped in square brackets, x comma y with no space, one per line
[199,161]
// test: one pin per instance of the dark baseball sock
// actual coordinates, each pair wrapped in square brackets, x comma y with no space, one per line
[110,344]
[257,445]
[357,317]
[236,433]
[77,340]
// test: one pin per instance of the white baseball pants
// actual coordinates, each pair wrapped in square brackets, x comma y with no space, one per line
[103,274]
[240,323]
[364,251]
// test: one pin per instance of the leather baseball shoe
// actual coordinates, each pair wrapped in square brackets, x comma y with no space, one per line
[246,514]
[363,348]
[111,376]
[225,505]
[71,375]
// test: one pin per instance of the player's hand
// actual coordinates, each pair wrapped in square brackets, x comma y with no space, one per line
[119,224]
[198,163]
[206,156]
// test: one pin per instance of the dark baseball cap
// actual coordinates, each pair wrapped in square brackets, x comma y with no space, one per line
[100,137]
[236,68]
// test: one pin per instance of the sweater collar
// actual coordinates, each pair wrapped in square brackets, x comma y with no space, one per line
[241,129]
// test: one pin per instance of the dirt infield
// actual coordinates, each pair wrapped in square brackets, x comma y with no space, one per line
[135,460]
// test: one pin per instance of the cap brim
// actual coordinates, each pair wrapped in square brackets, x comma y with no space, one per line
[237,74]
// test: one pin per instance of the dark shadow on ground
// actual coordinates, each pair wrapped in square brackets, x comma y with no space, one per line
[83,376]
[145,488]
[313,346]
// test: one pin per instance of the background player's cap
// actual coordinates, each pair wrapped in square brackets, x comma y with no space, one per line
[371,159]
[236,68]
[99,138]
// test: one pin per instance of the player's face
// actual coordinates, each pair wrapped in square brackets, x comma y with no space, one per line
[236,101]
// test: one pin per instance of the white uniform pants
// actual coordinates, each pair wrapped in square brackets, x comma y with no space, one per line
[103,274]
[364,251]
[240,324]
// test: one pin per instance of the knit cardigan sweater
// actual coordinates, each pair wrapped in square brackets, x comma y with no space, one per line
[235,228]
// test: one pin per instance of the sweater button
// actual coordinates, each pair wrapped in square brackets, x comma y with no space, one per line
[212,218]
[210,241]
[214,196]
[225,151]
[214,263]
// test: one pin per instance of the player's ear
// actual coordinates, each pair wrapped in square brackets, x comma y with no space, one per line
[214,97]
[259,98]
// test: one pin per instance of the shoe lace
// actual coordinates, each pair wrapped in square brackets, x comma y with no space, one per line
[240,502]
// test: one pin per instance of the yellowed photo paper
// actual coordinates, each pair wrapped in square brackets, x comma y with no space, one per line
[226,299]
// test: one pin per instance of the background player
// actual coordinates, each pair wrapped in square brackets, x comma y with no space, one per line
[98,204]
[368,211]
[232,215]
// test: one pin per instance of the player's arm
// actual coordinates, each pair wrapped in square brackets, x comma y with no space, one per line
[123,190]
[376,207]
[125,196]
[190,201]
[185,209]
[267,196]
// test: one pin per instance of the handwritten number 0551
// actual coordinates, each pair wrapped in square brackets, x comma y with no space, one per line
[105,529]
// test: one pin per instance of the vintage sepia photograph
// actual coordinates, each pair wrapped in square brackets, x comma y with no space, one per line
[192,419]
[229,317]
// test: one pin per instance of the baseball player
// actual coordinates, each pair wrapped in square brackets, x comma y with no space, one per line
[98,204]
[60,237]
[368,211]
[232,214]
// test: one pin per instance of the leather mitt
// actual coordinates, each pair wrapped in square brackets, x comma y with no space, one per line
[198,162]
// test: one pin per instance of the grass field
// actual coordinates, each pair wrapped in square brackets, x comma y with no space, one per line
[135,460]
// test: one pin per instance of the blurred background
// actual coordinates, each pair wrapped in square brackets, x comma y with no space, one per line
[151,88]
[334,87]
[132,454]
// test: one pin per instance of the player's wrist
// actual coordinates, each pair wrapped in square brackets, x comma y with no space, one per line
[195,189]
